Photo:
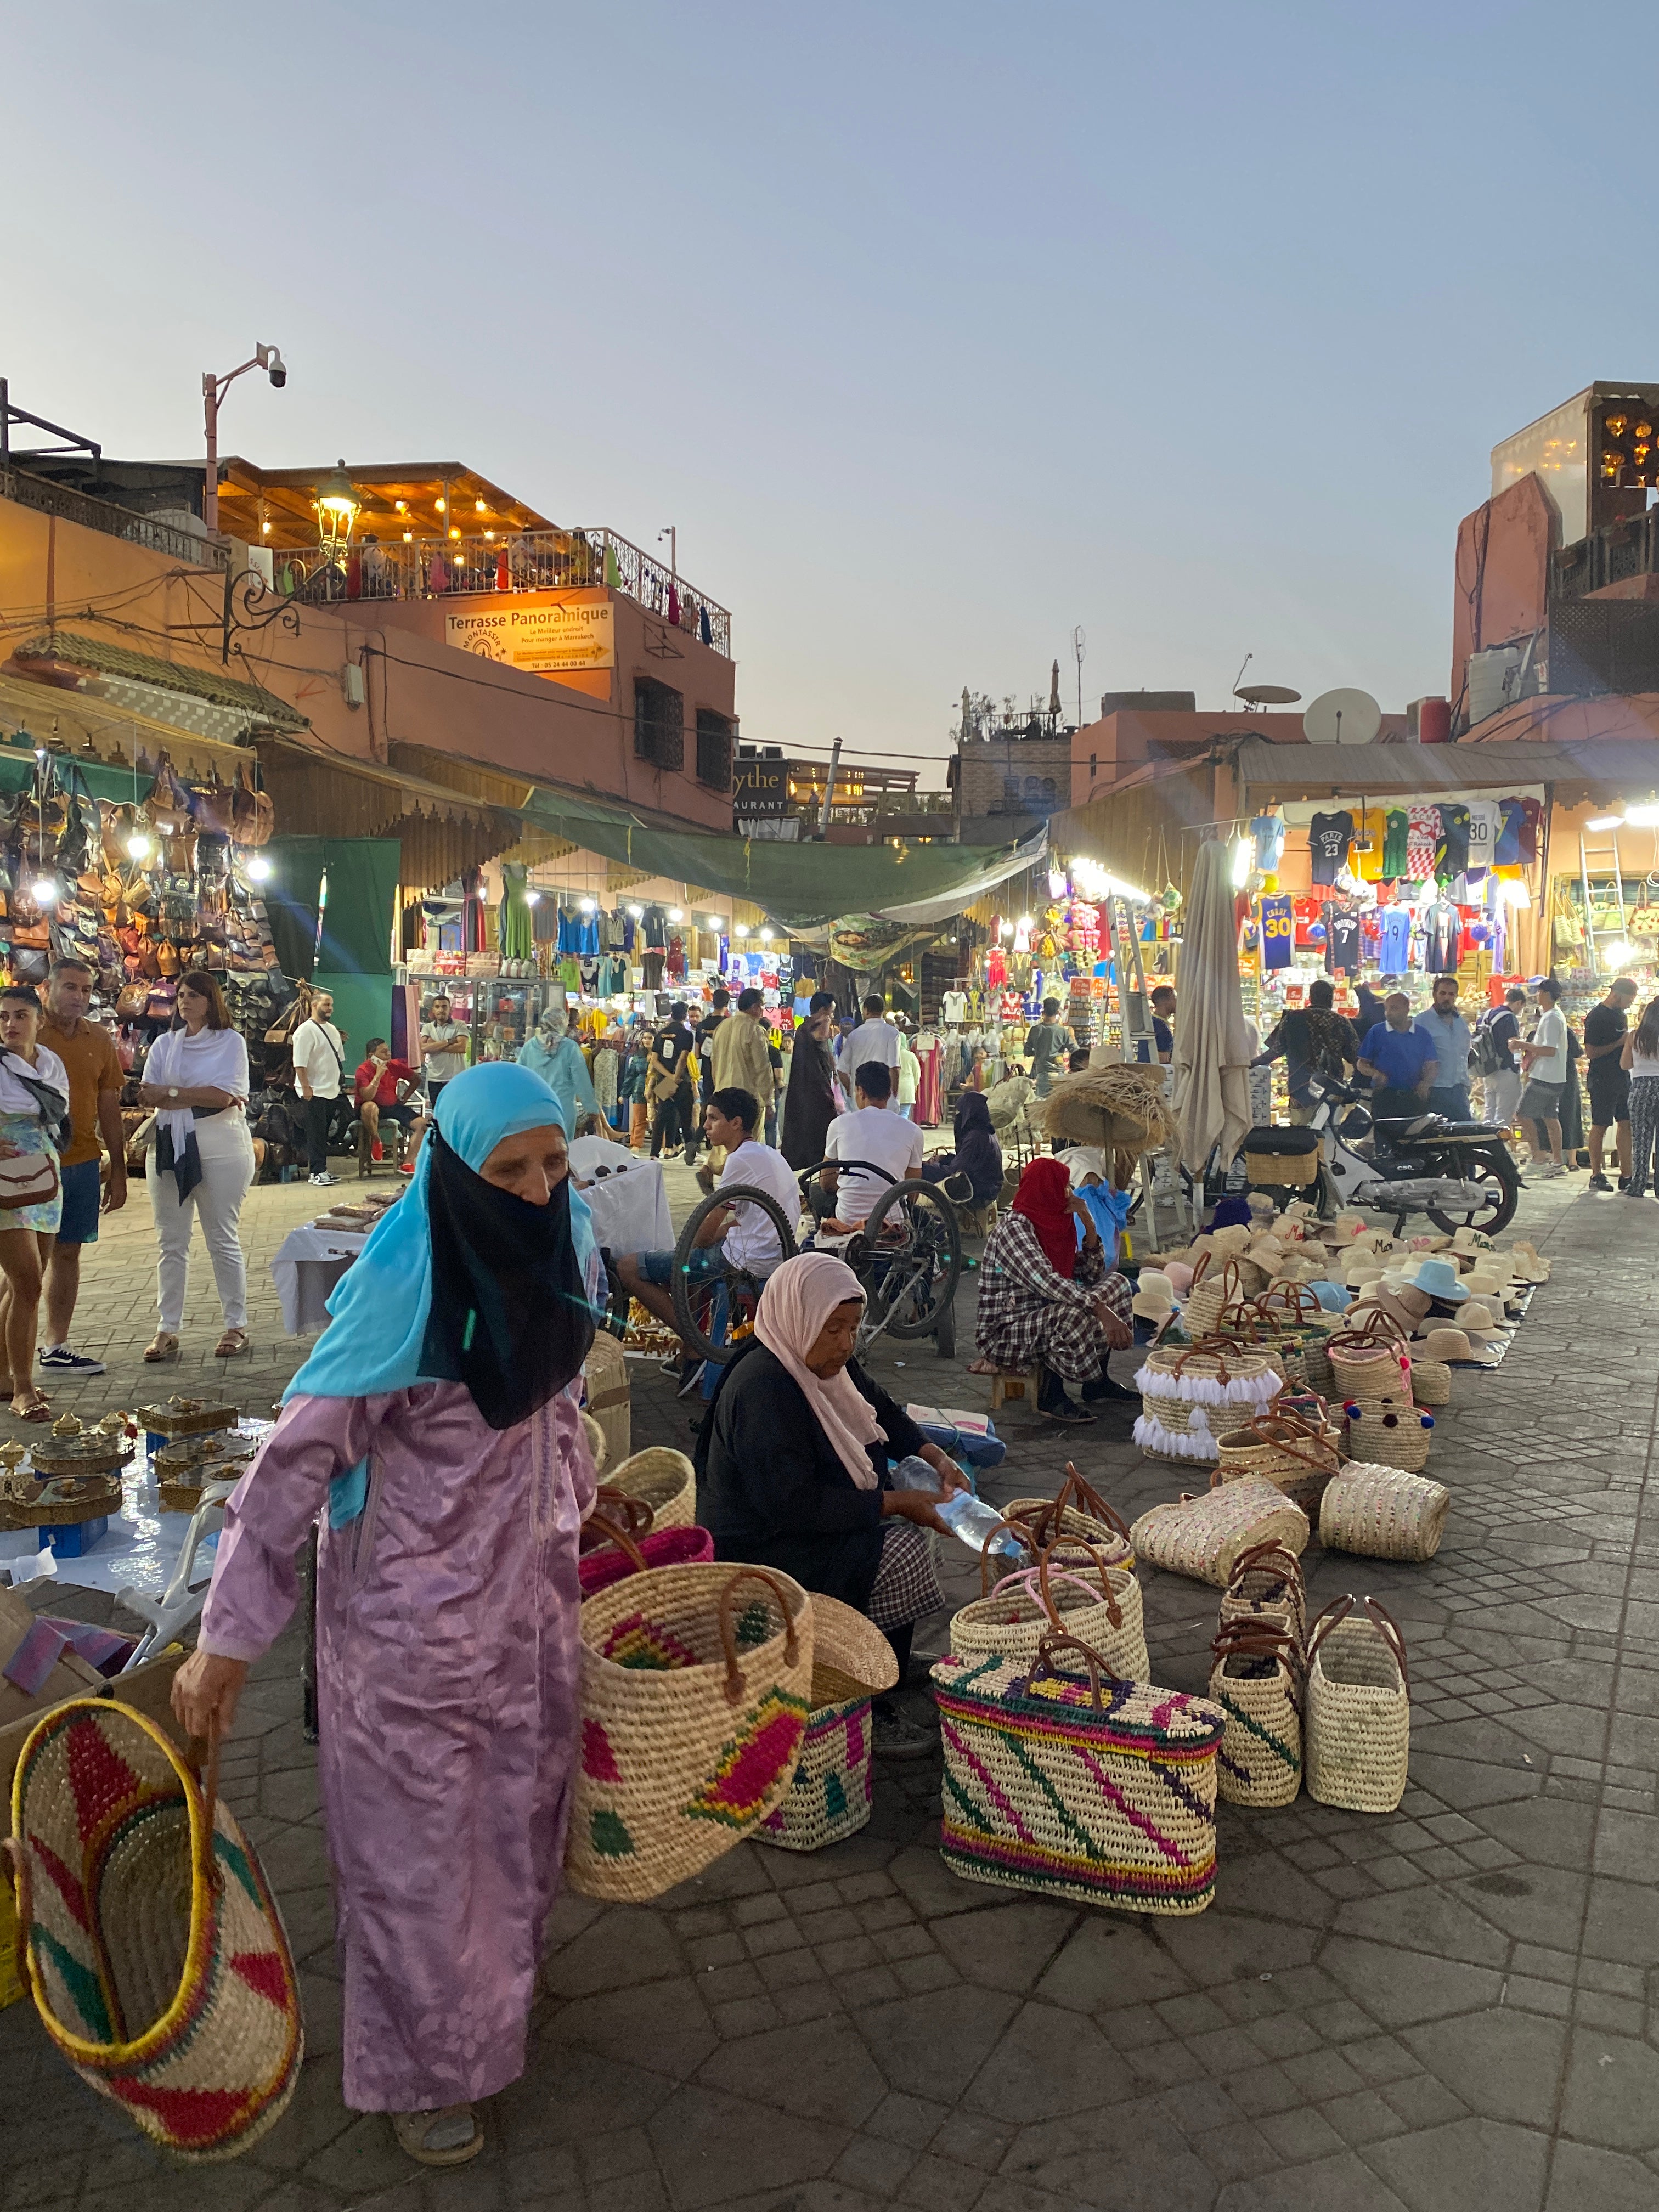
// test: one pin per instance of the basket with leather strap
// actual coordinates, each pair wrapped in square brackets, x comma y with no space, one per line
[1075,1785]
[609,1397]
[831,1794]
[1189,1392]
[1255,1680]
[1079,1512]
[662,1479]
[1265,1586]
[695,1689]
[1370,1362]
[1389,1432]
[1093,1601]
[1203,1536]
[1294,1327]
[1384,1513]
[1214,1287]
[1357,1722]
[617,1555]
[148,1934]
[1296,1454]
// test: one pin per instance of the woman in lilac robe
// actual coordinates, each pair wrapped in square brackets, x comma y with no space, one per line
[447,1600]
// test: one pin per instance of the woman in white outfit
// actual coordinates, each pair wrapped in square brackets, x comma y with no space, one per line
[201,1160]
[34,1102]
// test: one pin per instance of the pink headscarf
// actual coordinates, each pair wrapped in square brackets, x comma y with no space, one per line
[799,1296]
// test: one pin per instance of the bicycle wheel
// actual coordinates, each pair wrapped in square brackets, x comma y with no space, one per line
[709,1307]
[910,1280]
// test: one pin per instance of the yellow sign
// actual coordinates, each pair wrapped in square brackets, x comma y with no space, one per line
[544,638]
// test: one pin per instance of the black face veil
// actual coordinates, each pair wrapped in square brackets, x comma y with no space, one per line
[510,1317]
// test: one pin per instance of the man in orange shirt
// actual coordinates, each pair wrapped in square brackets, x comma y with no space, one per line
[88,1054]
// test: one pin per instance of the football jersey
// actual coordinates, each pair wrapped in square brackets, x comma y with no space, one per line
[1394,940]
[1422,836]
[1484,824]
[1451,851]
[1397,823]
[1328,838]
[1372,825]
[1342,945]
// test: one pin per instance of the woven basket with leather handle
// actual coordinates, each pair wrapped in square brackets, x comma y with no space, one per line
[1255,1680]
[1357,1720]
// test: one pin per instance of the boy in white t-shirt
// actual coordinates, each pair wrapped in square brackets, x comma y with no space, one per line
[875,1038]
[1547,1069]
[872,1133]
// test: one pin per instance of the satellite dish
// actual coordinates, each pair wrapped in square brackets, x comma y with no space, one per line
[1342,718]
[1266,695]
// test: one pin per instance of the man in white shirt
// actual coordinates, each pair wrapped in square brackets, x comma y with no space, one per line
[443,1048]
[871,1133]
[736,1236]
[319,1055]
[875,1038]
[1545,1064]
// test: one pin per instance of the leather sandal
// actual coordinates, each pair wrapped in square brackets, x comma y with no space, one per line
[231,1344]
[426,2135]
[161,1346]
[30,1405]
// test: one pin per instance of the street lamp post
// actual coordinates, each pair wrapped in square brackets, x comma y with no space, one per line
[214,388]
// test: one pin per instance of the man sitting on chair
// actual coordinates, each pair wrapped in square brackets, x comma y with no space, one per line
[384,1087]
[848,1196]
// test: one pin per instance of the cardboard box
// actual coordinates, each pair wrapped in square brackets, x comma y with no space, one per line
[69,1676]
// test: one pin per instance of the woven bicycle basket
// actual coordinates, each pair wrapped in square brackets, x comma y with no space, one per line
[696,1688]
[1097,1603]
[1296,1455]
[148,1934]
[1384,1513]
[1253,1680]
[1076,1786]
[1077,1513]
[1189,1392]
[1266,1587]
[661,1479]
[1204,1536]
[1358,1726]
[1391,1432]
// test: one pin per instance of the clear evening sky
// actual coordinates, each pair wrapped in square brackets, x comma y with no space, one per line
[936,330]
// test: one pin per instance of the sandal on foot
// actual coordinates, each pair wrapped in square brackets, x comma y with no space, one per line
[231,1344]
[30,1405]
[449,2136]
[161,1346]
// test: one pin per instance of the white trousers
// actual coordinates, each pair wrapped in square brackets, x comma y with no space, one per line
[1501,1094]
[227,1152]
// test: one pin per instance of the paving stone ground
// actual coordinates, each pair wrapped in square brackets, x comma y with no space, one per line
[1451,2009]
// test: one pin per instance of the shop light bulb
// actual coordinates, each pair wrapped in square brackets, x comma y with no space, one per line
[1244,854]
[401,505]
[743,929]
[674,914]
[409,538]
[258,868]
[1642,818]
[439,505]
[44,891]
[1514,892]
[532,898]
[586,906]
[1619,953]
[638,913]
[480,505]
[264,529]
[138,846]
[1606,822]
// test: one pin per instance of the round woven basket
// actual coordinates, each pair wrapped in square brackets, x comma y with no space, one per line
[1391,1433]
[1204,1536]
[1356,1727]
[1077,1516]
[1431,1381]
[1384,1513]
[1371,1363]
[1294,1455]
[154,1949]
[663,1480]
[1213,1288]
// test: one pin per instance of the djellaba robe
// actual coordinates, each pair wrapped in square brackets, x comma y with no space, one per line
[809,1102]
[447,1674]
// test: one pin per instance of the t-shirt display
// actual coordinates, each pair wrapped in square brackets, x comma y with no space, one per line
[1268,832]
[1394,940]
[885,1140]
[1451,851]
[1342,943]
[1396,823]
[1329,836]
[1422,838]
[1370,842]
[1485,822]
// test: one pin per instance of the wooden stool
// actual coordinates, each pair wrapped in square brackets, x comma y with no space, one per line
[1008,1382]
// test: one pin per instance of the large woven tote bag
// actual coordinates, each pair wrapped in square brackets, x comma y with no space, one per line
[1358,1721]
[1078,1511]
[1266,1587]
[1076,1786]
[1085,1597]
[1255,1679]
[662,1479]
[695,1687]
[148,1935]
[1204,1536]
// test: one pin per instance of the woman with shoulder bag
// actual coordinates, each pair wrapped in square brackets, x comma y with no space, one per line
[33,1110]
[201,1162]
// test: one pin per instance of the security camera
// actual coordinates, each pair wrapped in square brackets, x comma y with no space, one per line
[271,361]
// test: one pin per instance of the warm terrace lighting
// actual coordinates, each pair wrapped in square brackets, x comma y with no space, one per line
[259,868]
[1606,822]
[337,509]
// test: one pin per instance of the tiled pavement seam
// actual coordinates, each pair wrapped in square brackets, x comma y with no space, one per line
[1374,2014]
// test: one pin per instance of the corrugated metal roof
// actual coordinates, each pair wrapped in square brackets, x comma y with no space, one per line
[1372,770]
[104,658]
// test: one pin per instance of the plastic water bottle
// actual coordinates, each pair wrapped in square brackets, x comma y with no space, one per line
[971,1520]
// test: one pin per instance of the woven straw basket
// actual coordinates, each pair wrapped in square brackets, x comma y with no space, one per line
[1063,1783]
[1214,1287]
[1204,1536]
[1092,1600]
[619,1555]
[1369,1364]
[1189,1394]
[661,1479]
[1384,1513]
[1390,1433]
[1297,1455]
[696,1688]
[1431,1383]
[609,1398]
[155,1951]
[1358,1720]
[833,1790]
[1266,1587]
[1079,1513]
[1253,1680]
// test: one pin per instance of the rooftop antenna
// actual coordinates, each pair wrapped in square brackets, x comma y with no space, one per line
[1080,646]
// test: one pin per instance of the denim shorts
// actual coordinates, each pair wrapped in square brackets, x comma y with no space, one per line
[83,1193]
[658,1267]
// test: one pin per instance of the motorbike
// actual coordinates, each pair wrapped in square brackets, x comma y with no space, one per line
[1461,1174]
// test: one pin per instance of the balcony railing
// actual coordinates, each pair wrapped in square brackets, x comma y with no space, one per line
[164,538]
[520,561]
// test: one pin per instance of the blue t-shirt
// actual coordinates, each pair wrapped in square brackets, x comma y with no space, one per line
[1401,1054]
[1163,1040]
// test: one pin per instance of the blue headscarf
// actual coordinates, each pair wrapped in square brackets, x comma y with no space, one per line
[379,1308]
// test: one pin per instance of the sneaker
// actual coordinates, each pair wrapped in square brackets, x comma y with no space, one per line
[1598,1183]
[894,1736]
[324,1181]
[690,1375]
[1547,1173]
[1624,1182]
[60,1360]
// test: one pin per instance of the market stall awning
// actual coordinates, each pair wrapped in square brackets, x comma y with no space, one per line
[200,700]
[1374,771]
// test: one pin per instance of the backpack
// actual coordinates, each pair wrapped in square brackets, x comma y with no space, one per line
[1487,1055]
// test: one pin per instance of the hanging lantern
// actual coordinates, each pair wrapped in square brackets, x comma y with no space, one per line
[337,508]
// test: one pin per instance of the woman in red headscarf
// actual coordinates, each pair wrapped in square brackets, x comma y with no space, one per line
[1047,1298]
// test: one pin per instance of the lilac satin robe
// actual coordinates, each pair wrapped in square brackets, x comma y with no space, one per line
[447,1680]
